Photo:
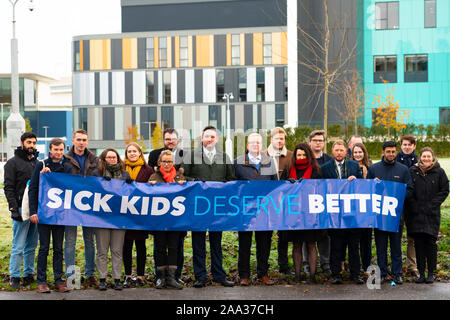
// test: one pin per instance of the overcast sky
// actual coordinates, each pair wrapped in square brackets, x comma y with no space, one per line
[45,34]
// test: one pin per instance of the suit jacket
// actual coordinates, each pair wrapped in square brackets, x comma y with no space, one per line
[353,169]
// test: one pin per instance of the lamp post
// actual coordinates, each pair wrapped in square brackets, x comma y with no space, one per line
[149,133]
[45,135]
[15,125]
[228,141]
[3,138]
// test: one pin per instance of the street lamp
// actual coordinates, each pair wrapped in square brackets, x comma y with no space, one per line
[3,139]
[45,128]
[15,125]
[228,141]
[149,133]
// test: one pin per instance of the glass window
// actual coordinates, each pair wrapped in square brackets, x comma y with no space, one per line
[430,13]
[235,50]
[151,87]
[242,84]
[220,84]
[184,51]
[279,115]
[267,48]
[386,14]
[285,79]
[162,52]
[444,115]
[214,117]
[416,68]
[166,117]
[385,69]
[260,86]
[150,53]
[166,88]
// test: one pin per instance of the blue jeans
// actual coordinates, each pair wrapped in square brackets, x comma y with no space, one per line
[25,240]
[89,249]
[381,241]
[199,255]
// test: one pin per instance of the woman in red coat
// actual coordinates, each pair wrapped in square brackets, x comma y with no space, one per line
[139,171]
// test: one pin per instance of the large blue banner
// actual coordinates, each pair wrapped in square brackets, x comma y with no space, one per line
[220,206]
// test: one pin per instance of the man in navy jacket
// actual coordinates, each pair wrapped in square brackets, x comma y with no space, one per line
[342,168]
[390,170]
[55,163]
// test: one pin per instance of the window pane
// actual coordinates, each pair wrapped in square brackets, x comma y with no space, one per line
[430,14]
[380,64]
[162,42]
[422,63]
[409,64]
[183,53]
[236,61]
[235,40]
[381,11]
[267,38]
[150,43]
[235,51]
[393,15]
[391,64]
[183,42]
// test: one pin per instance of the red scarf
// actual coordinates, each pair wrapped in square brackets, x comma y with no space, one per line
[301,164]
[169,176]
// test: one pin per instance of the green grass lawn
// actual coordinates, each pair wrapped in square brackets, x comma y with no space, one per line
[230,251]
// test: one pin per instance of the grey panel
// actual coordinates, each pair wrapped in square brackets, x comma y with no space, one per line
[231,82]
[198,75]
[194,51]
[109,88]
[279,83]
[259,115]
[220,50]
[108,123]
[76,48]
[232,117]
[204,15]
[146,114]
[133,116]
[129,87]
[181,86]
[167,115]
[86,55]
[248,117]
[116,53]
[248,49]
[97,88]
[155,86]
[141,53]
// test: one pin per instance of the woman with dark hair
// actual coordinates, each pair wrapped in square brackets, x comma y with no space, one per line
[424,215]
[110,166]
[166,242]
[303,166]
[360,155]
[139,171]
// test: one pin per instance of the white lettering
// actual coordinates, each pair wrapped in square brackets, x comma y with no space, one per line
[53,194]
[144,209]
[347,201]
[333,203]
[101,202]
[129,205]
[177,204]
[315,203]
[362,201]
[68,199]
[376,202]
[79,204]
[389,205]
[155,204]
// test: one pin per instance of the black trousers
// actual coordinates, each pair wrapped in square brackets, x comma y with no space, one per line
[340,239]
[283,260]
[426,252]
[57,234]
[166,247]
[366,247]
[141,254]
[263,243]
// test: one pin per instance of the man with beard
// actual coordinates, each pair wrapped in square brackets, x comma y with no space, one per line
[18,171]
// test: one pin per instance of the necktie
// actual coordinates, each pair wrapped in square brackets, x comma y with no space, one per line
[341,173]
[210,157]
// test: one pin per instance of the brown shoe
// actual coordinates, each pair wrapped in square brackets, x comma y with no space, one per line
[61,287]
[266,280]
[245,282]
[43,288]
[92,281]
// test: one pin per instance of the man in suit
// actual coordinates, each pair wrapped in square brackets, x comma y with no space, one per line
[342,168]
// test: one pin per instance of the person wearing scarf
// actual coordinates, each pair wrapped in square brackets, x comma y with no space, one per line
[423,218]
[110,166]
[139,171]
[167,242]
[303,166]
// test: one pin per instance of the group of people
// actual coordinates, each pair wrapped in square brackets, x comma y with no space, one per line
[427,188]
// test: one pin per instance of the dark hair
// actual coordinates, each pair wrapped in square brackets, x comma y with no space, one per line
[80,131]
[389,144]
[56,142]
[309,155]
[27,135]
[209,128]
[170,131]
[317,133]
[365,159]
[408,137]
[102,160]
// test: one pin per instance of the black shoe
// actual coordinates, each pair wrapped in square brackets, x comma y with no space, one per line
[337,280]
[15,283]
[128,282]
[28,280]
[429,279]
[226,283]
[139,283]
[199,284]
[398,280]
[170,278]
[102,286]
[285,271]
[357,280]
[118,285]
[420,279]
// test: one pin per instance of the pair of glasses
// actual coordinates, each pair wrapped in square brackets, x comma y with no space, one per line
[167,162]
[174,139]
[110,158]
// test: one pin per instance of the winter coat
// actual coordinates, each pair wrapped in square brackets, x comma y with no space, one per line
[17,172]
[33,191]
[90,164]
[158,177]
[248,171]
[352,167]
[201,169]
[423,210]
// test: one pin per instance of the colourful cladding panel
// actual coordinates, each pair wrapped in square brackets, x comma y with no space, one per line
[276,47]
[228,49]
[100,54]
[156,51]
[204,51]
[129,53]
[284,47]
[257,49]
[81,55]
[242,48]
[177,52]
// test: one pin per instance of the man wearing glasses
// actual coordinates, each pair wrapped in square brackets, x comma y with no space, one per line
[317,140]
[170,143]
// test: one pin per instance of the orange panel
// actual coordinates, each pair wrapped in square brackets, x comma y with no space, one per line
[129,53]
[203,51]
[81,55]
[276,47]
[228,49]
[156,51]
[284,49]
[106,44]
[169,52]
[257,48]
[190,52]
[242,48]
[177,52]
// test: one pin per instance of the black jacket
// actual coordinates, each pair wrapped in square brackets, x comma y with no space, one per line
[33,190]
[423,210]
[17,172]
[248,171]
[154,155]
[352,168]
[90,164]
